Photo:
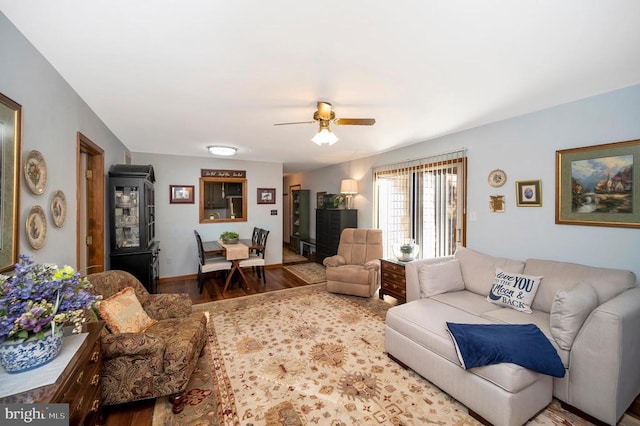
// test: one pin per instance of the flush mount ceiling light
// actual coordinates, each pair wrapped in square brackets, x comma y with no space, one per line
[222,150]
[324,135]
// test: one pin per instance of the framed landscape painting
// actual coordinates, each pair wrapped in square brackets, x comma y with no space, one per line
[596,185]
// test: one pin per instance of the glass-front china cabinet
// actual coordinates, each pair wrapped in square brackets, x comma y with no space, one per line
[132,219]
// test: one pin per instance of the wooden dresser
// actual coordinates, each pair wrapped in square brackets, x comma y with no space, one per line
[79,385]
[393,280]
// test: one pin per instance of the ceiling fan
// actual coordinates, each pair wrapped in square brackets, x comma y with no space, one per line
[324,116]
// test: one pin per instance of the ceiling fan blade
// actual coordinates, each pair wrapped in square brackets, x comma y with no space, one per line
[324,111]
[355,121]
[294,122]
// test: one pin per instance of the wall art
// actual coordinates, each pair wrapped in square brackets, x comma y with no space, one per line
[10,149]
[529,193]
[596,185]
[181,194]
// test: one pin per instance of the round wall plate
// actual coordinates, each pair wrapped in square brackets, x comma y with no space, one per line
[35,172]
[497,178]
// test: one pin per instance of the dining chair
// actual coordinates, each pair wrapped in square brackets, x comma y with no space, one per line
[208,263]
[256,257]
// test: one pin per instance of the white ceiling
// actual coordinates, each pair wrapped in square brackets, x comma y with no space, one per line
[173,76]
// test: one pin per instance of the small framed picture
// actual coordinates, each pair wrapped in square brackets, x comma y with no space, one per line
[529,193]
[266,195]
[181,194]
[320,199]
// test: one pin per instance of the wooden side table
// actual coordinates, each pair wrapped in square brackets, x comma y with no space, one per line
[393,280]
[79,385]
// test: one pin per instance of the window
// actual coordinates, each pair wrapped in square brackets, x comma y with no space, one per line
[422,200]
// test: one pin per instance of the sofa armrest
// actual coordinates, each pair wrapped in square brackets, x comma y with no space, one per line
[411,275]
[132,344]
[604,374]
[334,261]
[164,306]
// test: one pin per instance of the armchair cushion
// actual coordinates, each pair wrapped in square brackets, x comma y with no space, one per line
[166,305]
[131,344]
[123,313]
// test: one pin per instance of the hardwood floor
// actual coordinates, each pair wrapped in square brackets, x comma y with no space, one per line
[141,413]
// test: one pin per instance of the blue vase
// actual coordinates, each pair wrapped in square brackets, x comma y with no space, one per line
[17,357]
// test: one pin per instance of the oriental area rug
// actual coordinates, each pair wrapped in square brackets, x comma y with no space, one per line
[311,272]
[304,356]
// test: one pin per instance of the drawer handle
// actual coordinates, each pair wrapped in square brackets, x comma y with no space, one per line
[95,405]
[80,376]
[95,379]
[95,356]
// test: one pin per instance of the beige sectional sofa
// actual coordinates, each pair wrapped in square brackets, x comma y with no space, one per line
[590,315]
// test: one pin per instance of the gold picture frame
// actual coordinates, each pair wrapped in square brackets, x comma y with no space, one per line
[596,185]
[10,156]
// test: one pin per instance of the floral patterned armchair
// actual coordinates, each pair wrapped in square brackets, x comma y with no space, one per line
[158,361]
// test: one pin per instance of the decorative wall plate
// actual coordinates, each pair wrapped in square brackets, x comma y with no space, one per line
[58,208]
[36,228]
[35,172]
[497,178]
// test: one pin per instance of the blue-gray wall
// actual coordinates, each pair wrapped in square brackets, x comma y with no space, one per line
[524,147]
[53,113]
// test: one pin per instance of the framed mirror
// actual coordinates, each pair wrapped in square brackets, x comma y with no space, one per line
[10,149]
[223,199]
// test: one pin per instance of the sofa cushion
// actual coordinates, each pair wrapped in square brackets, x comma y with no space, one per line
[478,269]
[123,313]
[607,282]
[569,310]
[514,291]
[182,347]
[469,302]
[438,278]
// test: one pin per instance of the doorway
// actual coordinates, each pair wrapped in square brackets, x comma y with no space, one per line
[90,224]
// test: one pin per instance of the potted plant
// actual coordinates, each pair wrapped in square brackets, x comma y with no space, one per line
[35,302]
[229,237]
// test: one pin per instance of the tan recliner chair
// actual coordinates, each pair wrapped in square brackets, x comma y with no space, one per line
[355,269]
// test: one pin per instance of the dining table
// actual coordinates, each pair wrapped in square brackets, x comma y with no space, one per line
[217,247]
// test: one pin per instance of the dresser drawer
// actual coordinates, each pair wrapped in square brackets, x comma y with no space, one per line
[397,288]
[394,277]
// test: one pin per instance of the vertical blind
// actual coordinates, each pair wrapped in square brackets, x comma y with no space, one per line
[422,200]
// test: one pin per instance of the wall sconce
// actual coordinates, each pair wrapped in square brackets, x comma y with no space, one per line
[349,187]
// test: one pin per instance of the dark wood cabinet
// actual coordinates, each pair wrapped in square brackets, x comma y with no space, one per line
[132,222]
[300,205]
[329,226]
[393,281]
[79,384]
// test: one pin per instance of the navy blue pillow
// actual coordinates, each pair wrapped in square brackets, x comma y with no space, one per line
[521,344]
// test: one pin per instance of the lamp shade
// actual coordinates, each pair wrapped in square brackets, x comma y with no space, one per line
[325,136]
[348,186]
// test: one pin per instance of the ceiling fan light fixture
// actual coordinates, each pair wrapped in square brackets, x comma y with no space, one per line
[325,136]
[225,151]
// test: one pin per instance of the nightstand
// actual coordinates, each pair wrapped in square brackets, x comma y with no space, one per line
[393,280]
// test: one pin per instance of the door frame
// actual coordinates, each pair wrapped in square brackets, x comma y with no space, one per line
[95,204]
